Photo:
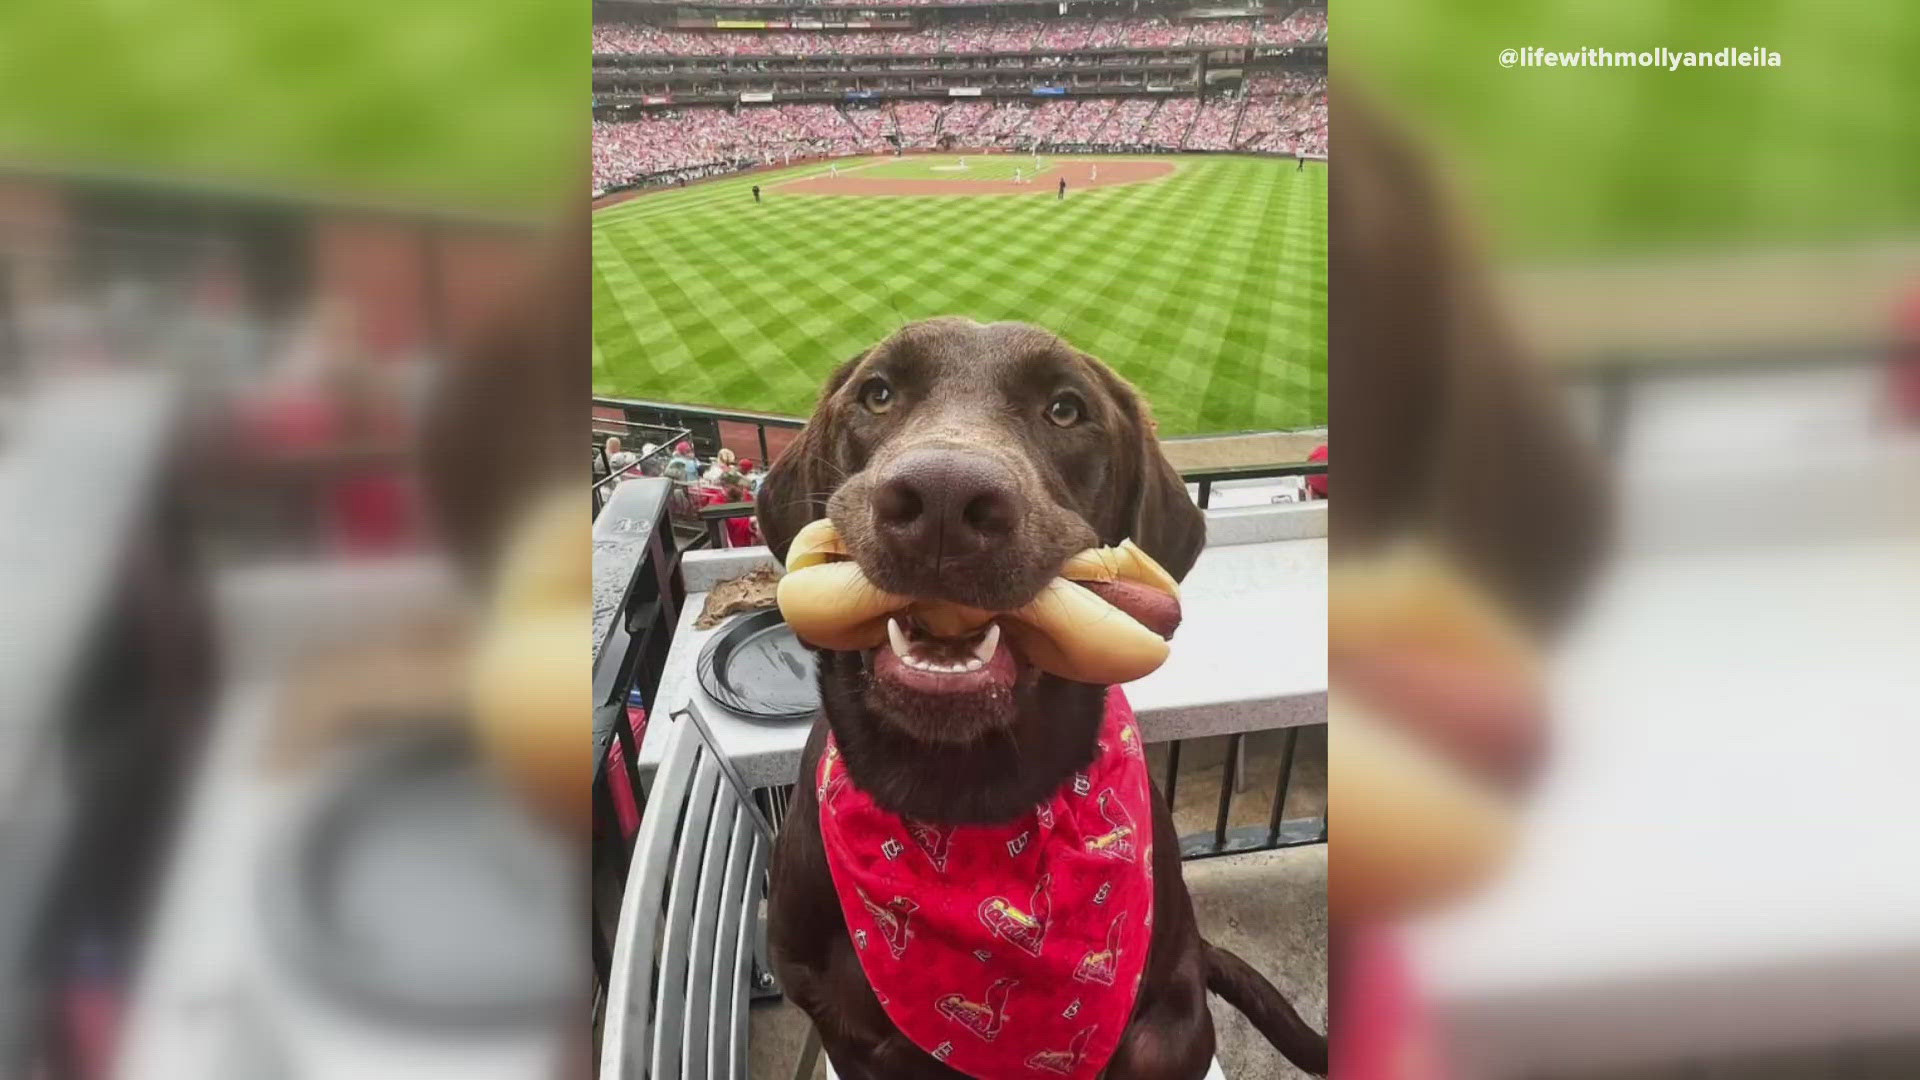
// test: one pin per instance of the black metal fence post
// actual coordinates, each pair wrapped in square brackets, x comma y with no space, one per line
[1280,789]
[1226,791]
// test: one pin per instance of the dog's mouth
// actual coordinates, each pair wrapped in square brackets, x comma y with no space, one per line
[916,659]
[1104,619]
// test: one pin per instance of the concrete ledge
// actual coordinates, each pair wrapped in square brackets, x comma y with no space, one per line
[703,569]
[1264,524]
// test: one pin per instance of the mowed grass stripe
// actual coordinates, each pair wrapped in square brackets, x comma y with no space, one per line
[1207,289]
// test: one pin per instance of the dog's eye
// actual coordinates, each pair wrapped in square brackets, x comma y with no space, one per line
[1065,410]
[877,396]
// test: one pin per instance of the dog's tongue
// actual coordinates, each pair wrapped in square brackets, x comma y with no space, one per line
[1147,606]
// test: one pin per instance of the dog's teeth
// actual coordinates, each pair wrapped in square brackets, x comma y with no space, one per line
[897,638]
[984,650]
[975,664]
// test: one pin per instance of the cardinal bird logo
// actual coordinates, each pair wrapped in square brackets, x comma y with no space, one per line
[1043,815]
[983,1018]
[1064,1061]
[1117,843]
[934,840]
[1130,742]
[1101,965]
[833,776]
[1024,930]
[891,920]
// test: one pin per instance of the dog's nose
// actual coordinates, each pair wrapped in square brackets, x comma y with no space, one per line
[932,503]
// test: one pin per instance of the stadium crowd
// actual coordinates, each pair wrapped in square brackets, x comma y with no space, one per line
[726,478]
[995,36]
[1279,114]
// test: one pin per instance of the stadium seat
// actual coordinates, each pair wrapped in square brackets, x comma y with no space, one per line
[690,947]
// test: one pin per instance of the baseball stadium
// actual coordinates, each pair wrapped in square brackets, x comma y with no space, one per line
[778,188]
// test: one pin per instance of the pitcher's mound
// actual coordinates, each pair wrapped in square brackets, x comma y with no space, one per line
[1080,176]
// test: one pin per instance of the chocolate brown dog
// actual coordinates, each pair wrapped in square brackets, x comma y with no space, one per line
[967,462]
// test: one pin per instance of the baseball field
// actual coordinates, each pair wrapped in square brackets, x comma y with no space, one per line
[1201,279]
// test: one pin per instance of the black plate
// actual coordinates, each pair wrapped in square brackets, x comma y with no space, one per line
[757,668]
[397,872]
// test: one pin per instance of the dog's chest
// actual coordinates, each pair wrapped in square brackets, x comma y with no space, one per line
[1009,949]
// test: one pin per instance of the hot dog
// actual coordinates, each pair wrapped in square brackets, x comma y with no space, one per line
[1105,618]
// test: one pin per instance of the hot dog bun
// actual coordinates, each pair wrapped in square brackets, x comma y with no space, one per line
[1427,674]
[533,658]
[1414,829]
[1085,632]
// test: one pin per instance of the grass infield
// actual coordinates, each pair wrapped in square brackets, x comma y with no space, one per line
[1207,289]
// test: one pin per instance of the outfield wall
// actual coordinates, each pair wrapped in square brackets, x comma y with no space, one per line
[633,191]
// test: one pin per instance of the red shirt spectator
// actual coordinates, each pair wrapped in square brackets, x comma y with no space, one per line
[1317,484]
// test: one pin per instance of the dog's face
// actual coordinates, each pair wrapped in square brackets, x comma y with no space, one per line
[966,462]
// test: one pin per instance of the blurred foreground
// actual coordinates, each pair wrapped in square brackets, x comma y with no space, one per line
[1718,278]
[245,831]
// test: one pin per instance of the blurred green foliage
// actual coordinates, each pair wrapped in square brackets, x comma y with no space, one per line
[1576,161]
[449,101]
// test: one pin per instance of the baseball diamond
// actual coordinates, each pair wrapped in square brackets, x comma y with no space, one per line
[1202,279]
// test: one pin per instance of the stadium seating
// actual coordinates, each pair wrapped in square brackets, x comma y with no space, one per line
[1273,112]
[1169,123]
[995,36]
[1123,129]
[1213,128]
[703,140]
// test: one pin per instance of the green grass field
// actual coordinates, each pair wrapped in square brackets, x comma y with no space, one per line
[1207,289]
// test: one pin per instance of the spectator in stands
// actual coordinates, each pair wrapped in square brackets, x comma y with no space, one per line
[651,463]
[619,460]
[741,531]
[683,466]
[723,464]
[1317,484]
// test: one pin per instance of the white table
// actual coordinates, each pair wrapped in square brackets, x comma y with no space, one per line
[1251,653]
[1722,859]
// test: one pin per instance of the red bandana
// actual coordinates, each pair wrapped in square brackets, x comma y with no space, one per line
[1009,950]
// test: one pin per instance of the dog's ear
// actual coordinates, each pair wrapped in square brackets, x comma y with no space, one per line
[795,489]
[1166,523]
[1156,511]
[1452,432]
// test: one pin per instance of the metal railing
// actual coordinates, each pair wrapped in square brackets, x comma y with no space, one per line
[606,483]
[1206,478]
[1279,832]
[694,417]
